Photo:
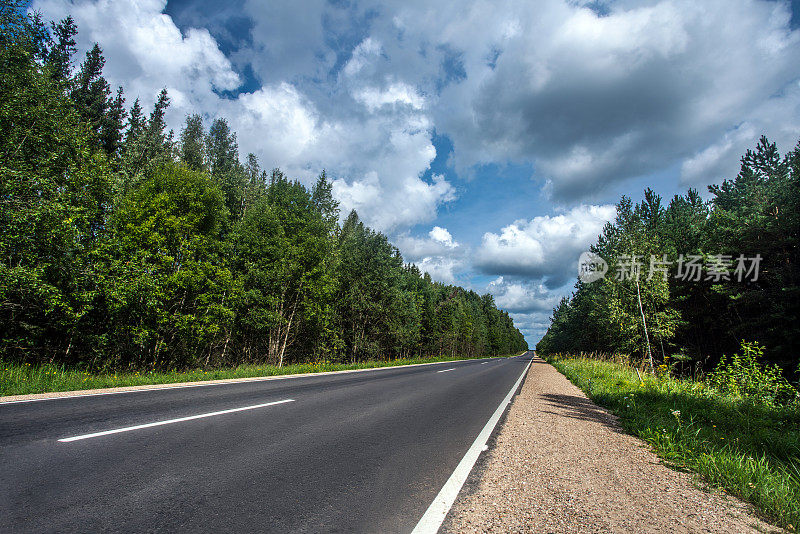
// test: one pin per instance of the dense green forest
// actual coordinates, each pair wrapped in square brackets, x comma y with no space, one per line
[123,245]
[693,318]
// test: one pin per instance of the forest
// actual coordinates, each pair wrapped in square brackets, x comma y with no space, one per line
[125,246]
[743,289]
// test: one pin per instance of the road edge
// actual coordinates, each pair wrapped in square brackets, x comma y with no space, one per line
[53,395]
[434,516]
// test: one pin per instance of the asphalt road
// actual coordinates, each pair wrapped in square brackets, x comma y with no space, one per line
[352,452]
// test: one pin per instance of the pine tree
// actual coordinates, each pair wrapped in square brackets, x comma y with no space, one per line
[91,92]
[156,124]
[136,123]
[223,161]
[221,147]
[61,49]
[256,183]
[112,124]
[322,196]
[192,148]
[147,146]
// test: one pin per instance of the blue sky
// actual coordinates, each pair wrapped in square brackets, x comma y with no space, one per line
[489,140]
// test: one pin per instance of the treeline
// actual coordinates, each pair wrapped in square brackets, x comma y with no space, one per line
[745,241]
[124,246]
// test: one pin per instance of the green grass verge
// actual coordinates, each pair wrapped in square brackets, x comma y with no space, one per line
[750,450]
[16,379]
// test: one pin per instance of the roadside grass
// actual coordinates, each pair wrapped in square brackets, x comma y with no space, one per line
[24,379]
[749,449]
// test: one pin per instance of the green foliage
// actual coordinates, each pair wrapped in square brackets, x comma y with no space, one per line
[222,156]
[55,191]
[58,57]
[749,449]
[606,315]
[757,213]
[744,376]
[170,281]
[147,145]
[120,248]
[192,149]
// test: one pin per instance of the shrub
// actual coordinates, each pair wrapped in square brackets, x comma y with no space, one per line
[744,376]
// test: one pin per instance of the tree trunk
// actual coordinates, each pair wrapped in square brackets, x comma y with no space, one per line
[286,334]
[644,324]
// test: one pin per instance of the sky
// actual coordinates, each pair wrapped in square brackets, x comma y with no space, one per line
[489,140]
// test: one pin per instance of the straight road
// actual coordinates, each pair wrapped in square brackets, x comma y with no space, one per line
[352,452]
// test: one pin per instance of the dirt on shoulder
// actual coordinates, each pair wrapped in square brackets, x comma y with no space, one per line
[561,464]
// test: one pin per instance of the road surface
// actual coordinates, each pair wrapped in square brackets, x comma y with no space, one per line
[350,452]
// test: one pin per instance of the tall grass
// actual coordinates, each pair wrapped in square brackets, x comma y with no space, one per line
[750,449]
[23,379]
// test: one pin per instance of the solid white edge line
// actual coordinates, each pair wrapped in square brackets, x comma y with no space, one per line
[445,370]
[434,516]
[171,421]
[178,385]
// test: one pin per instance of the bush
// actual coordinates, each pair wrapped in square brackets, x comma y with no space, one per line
[744,376]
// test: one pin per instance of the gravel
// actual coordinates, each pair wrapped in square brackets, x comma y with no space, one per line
[562,464]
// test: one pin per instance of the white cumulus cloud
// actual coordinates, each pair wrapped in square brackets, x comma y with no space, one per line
[544,248]
[145,52]
[521,297]
[438,254]
[376,156]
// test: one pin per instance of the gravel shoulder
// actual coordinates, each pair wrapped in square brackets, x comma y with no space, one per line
[560,463]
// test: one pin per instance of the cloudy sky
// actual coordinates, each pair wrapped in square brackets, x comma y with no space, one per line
[488,139]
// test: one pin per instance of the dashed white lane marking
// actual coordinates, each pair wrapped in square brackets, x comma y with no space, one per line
[445,370]
[171,421]
[437,511]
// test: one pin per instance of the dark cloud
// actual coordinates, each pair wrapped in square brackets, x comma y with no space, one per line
[594,100]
